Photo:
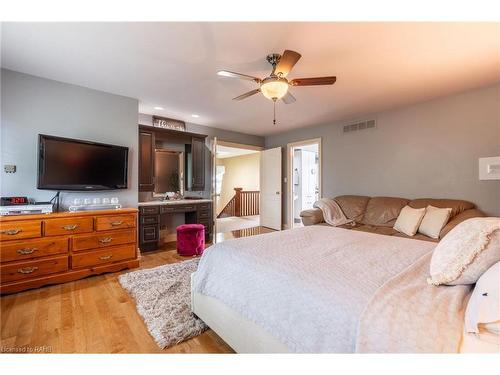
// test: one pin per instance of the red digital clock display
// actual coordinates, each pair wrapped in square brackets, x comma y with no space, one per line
[18,200]
[9,201]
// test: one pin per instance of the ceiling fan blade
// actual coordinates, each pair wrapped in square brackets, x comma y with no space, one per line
[313,81]
[288,98]
[247,94]
[226,73]
[287,61]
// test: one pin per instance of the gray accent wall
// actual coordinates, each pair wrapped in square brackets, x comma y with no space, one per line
[430,149]
[32,105]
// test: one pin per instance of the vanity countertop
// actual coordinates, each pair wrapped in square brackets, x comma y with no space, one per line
[173,202]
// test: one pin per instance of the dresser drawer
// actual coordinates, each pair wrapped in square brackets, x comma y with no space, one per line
[115,222]
[58,227]
[103,239]
[149,219]
[204,206]
[20,229]
[98,257]
[150,210]
[203,214]
[29,269]
[29,249]
[178,208]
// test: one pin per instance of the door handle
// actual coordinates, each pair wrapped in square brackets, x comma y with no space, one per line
[277,193]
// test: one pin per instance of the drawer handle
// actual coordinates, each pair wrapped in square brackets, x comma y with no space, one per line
[106,240]
[70,227]
[106,257]
[27,251]
[116,223]
[11,232]
[27,270]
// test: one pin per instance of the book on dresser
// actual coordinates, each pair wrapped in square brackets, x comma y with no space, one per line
[37,250]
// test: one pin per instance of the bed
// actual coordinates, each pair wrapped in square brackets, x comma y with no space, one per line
[321,289]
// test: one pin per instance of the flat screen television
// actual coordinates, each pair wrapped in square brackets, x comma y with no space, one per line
[72,164]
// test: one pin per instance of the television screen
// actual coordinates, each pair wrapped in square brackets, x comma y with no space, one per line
[71,164]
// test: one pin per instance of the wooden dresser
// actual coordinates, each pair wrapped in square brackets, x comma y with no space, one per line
[37,250]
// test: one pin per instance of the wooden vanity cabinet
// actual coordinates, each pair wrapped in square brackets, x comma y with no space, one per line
[150,219]
[194,145]
[146,160]
[198,163]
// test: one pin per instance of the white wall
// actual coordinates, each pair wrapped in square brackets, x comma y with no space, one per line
[33,105]
[429,149]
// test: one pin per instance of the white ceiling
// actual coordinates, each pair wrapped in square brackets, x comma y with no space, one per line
[224,152]
[173,65]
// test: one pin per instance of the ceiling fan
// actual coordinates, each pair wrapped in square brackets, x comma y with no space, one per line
[276,85]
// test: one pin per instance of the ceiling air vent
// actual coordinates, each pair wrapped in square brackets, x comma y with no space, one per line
[362,125]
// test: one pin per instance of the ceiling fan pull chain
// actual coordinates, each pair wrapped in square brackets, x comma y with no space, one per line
[274,112]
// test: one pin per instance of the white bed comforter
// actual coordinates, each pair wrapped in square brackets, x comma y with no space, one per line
[307,287]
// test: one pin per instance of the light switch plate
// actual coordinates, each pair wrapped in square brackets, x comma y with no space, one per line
[489,168]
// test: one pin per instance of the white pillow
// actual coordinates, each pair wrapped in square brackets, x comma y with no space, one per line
[483,308]
[434,220]
[466,252]
[409,220]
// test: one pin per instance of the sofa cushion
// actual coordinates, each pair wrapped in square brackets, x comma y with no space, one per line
[383,211]
[467,214]
[387,231]
[457,206]
[353,206]
[418,236]
[312,216]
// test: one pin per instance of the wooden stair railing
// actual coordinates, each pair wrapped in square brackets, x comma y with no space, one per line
[243,203]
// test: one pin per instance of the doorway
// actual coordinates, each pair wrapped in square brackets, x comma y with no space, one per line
[236,189]
[304,176]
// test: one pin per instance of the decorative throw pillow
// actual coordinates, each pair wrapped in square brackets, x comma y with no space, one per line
[434,220]
[466,252]
[409,220]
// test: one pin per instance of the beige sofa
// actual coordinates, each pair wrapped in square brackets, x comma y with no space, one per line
[378,214]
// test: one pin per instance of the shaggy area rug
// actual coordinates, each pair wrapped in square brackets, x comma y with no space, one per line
[163,298]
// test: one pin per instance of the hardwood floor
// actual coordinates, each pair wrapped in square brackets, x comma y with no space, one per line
[93,315]
[246,232]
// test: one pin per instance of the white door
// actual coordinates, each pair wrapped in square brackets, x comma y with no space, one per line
[214,189]
[270,188]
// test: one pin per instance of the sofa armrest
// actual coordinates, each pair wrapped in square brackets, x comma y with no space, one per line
[462,216]
[312,216]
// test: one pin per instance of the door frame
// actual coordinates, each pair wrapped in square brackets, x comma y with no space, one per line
[289,176]
[219,142]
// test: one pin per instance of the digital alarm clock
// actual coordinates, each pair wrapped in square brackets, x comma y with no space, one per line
[13,201]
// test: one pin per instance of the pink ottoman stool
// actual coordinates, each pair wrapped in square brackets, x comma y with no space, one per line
[190,239]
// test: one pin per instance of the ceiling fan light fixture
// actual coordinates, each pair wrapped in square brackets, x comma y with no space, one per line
[274,88]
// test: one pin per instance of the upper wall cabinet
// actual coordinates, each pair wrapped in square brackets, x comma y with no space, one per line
[198,163]
[146,160]
[153,139]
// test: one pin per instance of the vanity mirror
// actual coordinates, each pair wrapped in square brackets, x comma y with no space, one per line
[169,172]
